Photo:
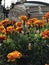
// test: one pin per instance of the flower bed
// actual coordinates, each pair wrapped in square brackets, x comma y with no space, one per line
[25,42]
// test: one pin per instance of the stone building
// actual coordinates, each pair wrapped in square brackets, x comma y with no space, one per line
[1,13]
[17,11]
[31,9]
[35,10]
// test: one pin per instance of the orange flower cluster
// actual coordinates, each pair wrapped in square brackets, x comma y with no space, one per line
[34,19]
[14,55]
[10,29]
[23,17]
[2,29]
[6,21]
[46,15]
[18,29]
[39,23]
[2,32]
[18,24]
[31,21]
[45,34]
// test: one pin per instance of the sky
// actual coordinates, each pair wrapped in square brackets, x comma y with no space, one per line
[47,1]
[8,2]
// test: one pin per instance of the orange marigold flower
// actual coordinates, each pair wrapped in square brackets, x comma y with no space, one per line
[23,17]
[14,55]
[45,34]
[48,21]
[28,23]
[10,29]
[1,28]
[7,21]
[4,31]
[34,19]
[18,29]
[46,15]
[3,37]
[1,24]
[39,23]
[31,21]
[19,24]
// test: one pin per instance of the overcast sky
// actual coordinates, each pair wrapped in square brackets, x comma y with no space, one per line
[8,2]
[47,1]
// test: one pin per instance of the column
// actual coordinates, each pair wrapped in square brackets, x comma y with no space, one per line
[40,10]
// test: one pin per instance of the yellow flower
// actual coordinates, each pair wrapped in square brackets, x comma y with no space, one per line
[14,55]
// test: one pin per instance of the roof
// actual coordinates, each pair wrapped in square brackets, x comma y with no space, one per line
[33,4]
